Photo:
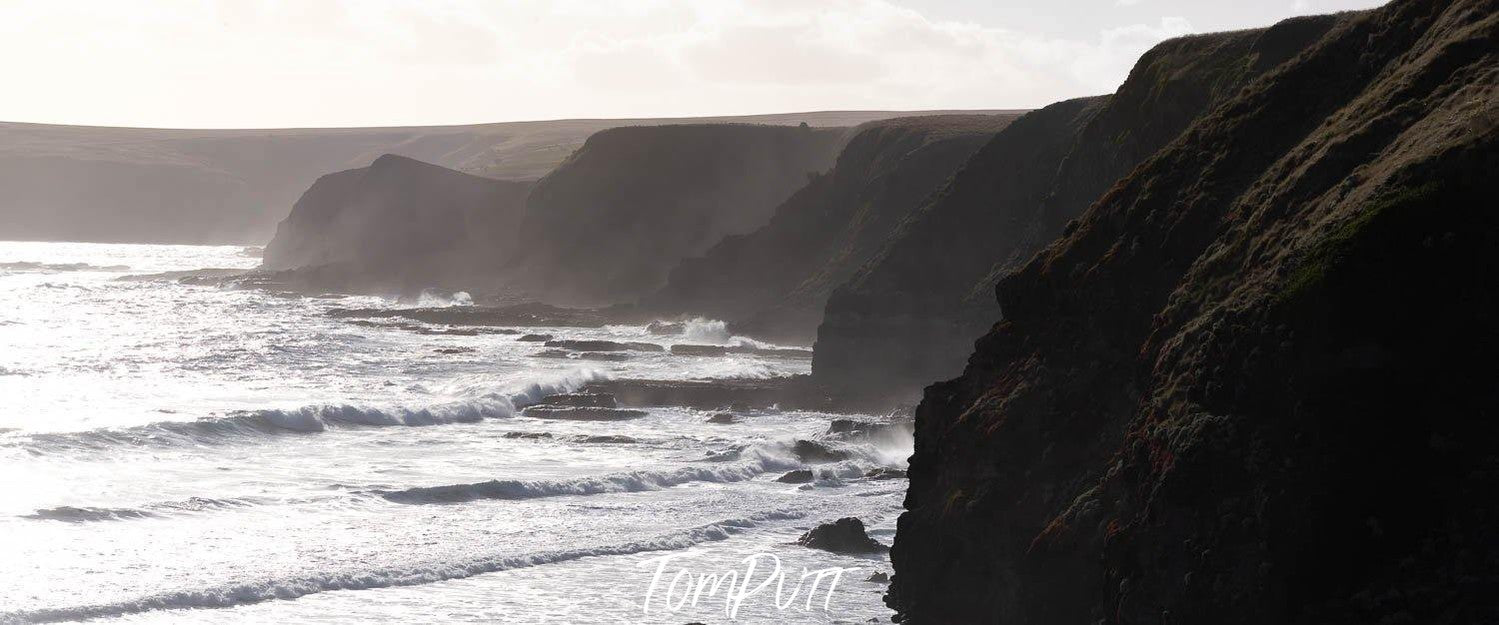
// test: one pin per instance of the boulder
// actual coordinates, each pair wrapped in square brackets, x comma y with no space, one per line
[845,535]
[814,451]
[799,476]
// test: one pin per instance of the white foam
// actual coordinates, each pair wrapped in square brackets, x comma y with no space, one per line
[754,461]
[433,299]
[322,417]
[700,330]
[254,591]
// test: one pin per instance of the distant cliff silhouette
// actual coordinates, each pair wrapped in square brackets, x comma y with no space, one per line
[399,224]
[84,183]
[610,223]
[773,282]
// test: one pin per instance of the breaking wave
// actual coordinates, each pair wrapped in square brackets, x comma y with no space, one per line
[309,419]
[434,299]
[744,464]
[58,267]
[85,514]
[700,330]
[255,591]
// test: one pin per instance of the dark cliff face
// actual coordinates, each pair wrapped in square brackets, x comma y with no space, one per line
[612,220]
[911,315]
[399,223]
[774,281]
[1254,383]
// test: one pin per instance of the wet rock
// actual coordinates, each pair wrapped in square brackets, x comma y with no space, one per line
[553,353]
[589,400]
[604,356]
[852,426]
[814,451]
[517,315]
[780,352]
[527,435]
[700,394]
[665,328]
[535,338]
[606,439]
[845,535]
[884,473]
[879,577]
[799,476]
[689,349]
[604,346]
[723,418]
[454,350]
[582,413]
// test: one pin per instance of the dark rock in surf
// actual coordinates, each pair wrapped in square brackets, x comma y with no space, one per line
[604,356]
[535,338]
[687,349]
[815,451]
[531,314]
[586,400]
[527,435]
[582,413]
[781,352]
[665,328]
[604,346]
[723,418]
[799,476]
[885,473]
[845,535]
[606,439]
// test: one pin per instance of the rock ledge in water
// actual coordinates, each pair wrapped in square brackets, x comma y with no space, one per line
[582,413]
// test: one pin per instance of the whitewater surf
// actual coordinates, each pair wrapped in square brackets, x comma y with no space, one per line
[185,449]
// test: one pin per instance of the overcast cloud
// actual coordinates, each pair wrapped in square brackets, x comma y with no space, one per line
[275,63]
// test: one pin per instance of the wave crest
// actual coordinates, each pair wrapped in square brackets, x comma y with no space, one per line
[308,419]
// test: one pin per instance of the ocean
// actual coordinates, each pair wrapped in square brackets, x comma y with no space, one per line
[193,452]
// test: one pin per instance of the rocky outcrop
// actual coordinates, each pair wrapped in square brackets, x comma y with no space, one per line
[613,219]
[400,222]
[773,282]
[845,535]
[912,313]
[1254,382]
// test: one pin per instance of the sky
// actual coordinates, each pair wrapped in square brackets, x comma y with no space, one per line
[319,63]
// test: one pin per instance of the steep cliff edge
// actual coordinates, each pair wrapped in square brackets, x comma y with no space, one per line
[911,315]
[1254,383]
[611,221]
[398,224]
[774,281]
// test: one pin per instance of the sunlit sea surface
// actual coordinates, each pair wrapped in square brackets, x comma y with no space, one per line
[200,453]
